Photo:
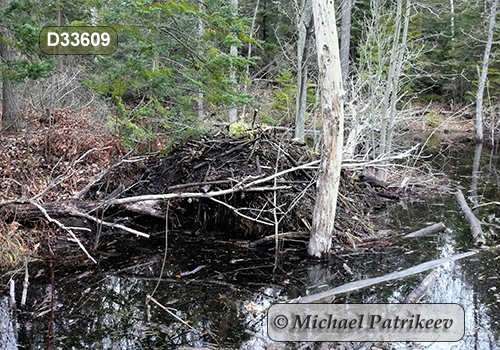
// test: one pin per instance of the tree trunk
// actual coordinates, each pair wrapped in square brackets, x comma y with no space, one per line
[395,84]
[304,25]
[10,100]
[330,80]
[484,72]
[389,88]
[345,39]
[452,19]
[249,55]
[475,173]
[233,51]
[201,31]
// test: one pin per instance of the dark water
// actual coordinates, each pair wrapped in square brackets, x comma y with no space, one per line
[106,306]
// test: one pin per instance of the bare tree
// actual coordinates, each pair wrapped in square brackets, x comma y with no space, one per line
[484,72]
[304,26]
[233,50]
[330,80]
[390,87]
[201,31]
[345,39]
[249,54]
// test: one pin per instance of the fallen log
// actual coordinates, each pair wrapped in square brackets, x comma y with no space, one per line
[475,224]
[427,231]
[349,287]
[27,211]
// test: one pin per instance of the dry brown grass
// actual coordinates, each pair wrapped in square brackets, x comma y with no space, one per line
[12,246]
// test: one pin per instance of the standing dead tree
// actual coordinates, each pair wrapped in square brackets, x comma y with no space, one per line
[484,72]
[332,107]
[304,26]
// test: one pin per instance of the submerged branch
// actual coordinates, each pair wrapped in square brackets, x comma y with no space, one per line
[322,296]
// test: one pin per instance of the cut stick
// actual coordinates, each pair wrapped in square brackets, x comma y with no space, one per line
[475,224]
[427,231]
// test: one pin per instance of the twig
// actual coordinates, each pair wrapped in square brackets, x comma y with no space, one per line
[109,224]
[427,231]
[58,223]
[485,204]
[272,237]
[275,215]
[298,198]
[352,164]
[193,184]
[235,210]
[419,292]
[64,176]
[166,249]
[171,313]
[103,173]
[187,273]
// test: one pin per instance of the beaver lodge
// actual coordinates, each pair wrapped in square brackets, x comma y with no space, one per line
[248,187]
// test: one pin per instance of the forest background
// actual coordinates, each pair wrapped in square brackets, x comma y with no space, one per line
[183,66]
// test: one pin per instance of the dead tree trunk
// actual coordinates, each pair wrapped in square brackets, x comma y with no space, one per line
[345,40]
[330,78]
[233,51]
[304,32]
[484,72]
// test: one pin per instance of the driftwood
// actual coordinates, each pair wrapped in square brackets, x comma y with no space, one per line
[475,224]
[427,231]
[324,296]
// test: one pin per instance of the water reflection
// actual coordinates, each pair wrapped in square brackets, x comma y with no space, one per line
[8,326]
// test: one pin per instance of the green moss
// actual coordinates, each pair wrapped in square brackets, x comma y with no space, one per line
[432,119]
[240,128]
[433,142]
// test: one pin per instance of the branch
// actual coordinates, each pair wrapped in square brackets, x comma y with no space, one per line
[103,173]
[235,210]
[109,224]
[64,176]
[58,223]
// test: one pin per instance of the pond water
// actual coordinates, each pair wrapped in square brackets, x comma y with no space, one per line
[213,291]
